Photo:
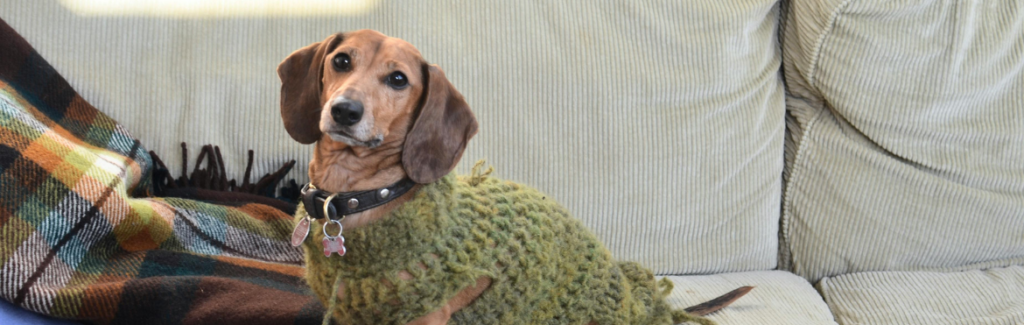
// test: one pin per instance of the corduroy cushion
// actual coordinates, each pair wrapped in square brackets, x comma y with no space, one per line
[778,297]
[907,148]
[994,296]
[660,123]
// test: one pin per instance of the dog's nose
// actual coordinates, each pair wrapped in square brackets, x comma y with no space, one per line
[347,112]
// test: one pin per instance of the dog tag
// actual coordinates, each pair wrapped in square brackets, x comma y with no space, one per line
[334,245]
[300,232]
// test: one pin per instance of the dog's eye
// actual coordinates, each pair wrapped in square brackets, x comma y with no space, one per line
[342,62]
[397,80]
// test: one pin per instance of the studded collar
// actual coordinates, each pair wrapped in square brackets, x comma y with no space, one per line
[342,204]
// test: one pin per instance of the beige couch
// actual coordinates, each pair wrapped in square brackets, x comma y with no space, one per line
[859,161]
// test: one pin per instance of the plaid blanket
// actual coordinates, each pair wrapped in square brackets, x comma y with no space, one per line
[80,239]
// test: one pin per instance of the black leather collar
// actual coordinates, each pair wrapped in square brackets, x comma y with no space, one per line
[346,203]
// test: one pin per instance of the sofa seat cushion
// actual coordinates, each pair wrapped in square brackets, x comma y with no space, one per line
[779,297]
[994,296]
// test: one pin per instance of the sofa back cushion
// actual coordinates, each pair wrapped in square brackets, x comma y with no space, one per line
[660,124]
[908,139]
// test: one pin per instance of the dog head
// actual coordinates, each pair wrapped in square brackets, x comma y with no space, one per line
[364,89]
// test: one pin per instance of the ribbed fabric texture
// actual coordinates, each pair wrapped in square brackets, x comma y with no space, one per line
[659,123]
[778,298]
[909,150]
[975,297]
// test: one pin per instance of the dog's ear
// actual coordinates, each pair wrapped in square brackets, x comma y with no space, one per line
[440,133]
[301,76]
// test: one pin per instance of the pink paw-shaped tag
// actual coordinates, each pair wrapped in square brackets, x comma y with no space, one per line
[334,245]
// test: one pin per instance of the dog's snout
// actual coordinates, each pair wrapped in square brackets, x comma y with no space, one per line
[347,112]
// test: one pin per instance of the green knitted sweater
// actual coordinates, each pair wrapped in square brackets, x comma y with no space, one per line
[545,266]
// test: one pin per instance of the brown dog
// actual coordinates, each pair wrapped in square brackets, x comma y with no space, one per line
[355,95]
[378,114]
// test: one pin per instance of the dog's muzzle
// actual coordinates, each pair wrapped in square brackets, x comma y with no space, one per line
[347,112]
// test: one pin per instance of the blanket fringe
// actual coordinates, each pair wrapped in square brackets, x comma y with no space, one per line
[214,176]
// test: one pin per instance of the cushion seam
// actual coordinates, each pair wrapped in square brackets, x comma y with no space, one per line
[795,176]
[816,54]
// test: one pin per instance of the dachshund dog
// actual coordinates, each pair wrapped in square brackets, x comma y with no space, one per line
[378,113]
[355,95]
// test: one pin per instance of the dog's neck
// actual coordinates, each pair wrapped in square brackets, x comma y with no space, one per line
[339,167]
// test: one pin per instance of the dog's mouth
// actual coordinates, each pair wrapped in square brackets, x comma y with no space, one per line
[345,137]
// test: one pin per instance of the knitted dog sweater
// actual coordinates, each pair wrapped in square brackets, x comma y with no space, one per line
[545,266]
